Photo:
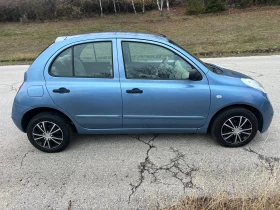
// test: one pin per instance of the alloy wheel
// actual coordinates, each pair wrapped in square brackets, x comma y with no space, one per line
[236,129]
[47,134]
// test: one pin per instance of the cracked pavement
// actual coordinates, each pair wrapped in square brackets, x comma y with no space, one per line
[136,171]
[176,168]
[270,163]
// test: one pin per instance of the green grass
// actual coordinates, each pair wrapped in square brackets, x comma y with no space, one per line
[234,32]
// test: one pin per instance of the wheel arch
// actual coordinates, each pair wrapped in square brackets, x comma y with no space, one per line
[254,110]
[33,112]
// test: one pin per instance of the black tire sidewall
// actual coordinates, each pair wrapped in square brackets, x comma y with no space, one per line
[51,118]
[224,116]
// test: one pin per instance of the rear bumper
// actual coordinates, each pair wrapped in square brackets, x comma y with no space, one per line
[267,112]
[17,113]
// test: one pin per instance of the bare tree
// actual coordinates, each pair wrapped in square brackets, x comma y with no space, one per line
[160,6]
[143,6]
[167,6]
[101,10]
[133,6]
[115,9]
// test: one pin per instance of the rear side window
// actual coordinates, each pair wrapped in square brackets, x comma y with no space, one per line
[62,65]
[85,60]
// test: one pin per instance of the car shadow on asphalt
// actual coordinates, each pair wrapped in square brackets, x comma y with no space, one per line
[84,141]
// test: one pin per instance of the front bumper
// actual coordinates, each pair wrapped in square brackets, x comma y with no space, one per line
[17,114]
[267,113]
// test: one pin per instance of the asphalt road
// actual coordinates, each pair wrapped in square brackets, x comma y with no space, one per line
[136,172]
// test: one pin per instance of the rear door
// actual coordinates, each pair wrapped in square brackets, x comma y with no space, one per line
[160,89]
[83,80]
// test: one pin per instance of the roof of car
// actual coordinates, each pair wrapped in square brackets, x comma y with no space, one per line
[129,35]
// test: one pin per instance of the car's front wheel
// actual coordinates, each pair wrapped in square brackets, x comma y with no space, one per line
[49,132]
[234,127]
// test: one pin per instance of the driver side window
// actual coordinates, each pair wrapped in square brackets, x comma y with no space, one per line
[149,61]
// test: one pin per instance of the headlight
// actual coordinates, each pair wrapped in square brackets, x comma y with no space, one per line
[253,83]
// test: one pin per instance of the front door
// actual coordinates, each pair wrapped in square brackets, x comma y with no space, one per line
[160,89]
[83,80]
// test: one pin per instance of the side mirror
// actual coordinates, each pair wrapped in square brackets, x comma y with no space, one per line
[195,75]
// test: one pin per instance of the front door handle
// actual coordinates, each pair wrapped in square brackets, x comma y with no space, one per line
[61,90]
[134,90]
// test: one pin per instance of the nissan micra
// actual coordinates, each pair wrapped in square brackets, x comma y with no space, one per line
[122,83]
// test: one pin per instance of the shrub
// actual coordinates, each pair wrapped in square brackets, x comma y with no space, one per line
[9,12]
[215,6]
[244,3]
[25,10]
[194,7]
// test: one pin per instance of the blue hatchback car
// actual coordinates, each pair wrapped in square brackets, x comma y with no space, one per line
[121,83]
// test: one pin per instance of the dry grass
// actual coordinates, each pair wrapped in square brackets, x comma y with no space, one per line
[233,32]
[210,203]
[262,194]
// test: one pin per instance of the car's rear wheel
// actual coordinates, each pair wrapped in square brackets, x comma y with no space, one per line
[49,132]
[234,127]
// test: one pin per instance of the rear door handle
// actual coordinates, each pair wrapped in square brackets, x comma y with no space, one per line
[61,90]
[134,90]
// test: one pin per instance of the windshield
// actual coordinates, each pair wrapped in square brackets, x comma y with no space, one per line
[205,64]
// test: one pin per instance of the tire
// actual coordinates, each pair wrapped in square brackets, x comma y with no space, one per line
[49,132]
[234,127]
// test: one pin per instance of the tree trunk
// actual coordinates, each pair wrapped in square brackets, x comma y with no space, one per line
[143,6]
[133,6]
[101,10]
[161,5]
[115,9]
[167,6]
[158,5]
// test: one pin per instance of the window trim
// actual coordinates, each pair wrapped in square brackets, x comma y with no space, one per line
[151,43]
[73,73]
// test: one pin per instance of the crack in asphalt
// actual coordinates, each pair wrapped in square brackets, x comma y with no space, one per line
[270,162]
[24,156]
[258,74]
[12,86]
[66,180]
[143,165]
[177,168]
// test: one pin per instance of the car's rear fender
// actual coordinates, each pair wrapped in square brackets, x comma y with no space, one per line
[33,97]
